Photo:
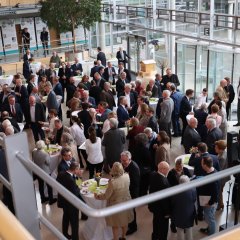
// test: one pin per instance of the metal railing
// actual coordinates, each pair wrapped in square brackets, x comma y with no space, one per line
[20,167]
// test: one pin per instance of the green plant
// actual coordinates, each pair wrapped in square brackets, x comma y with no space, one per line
[66,15]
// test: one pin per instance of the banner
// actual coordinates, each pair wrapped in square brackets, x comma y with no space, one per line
[66,38]
[80,37]
[9,36]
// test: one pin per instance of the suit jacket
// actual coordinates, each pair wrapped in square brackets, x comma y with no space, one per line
[3,103]
[177,98]
[173,79]
[40,73]
[190,138]
[153,124]
[27,71]
[102,57]
[86,120]
[128,75]
[63,166]
[18,112]
[106,74]
[39,114]
[23,99]
[134,174]
[122,115]
[91,101]
[119,56]
[113,140]
[42,159]
[68,72]
[107,96]
[30,87]
[95,92]
[50,73]
[196,162]
[76,67]
[158,183]
[69,183]
[231,93]
[44,36]
[71,88]
[154,90]
[52,101]
[213,136]
[94,70]
[120,84]
[58,89]
[185,108]
[25,57]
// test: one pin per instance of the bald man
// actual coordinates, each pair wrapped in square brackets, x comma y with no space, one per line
[34,115]
[161,208]
[191,137]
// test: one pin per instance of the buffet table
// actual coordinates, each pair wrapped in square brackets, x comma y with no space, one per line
[185,158]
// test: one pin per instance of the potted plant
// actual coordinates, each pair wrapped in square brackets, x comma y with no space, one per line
[64,16]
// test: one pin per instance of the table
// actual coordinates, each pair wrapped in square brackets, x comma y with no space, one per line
[185,158]
[6,79]
[95,228]
[35,66]
[77,80]
[153,103]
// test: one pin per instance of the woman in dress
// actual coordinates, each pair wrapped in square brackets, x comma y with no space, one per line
[77,132]
[117,192]
[143,115]
[163,148]
[94,152]
[222,112]
[214,114]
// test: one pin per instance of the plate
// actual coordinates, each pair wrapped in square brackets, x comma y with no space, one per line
[104,181]
[86,183]
[84,191]
[45,128]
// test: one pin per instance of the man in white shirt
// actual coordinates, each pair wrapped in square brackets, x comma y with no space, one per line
[202,98]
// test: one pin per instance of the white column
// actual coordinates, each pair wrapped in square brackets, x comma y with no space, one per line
[230,19]
[101,34]
[171,38]
[212,10]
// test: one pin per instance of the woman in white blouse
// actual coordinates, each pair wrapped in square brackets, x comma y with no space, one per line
[77,132]
[94,152]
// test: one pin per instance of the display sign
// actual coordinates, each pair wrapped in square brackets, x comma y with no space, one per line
[66,38]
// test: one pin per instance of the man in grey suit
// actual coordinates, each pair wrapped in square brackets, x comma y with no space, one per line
[167,107]
[113,141]
[51,97]
[191,137]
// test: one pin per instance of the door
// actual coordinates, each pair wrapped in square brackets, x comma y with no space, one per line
[19,37]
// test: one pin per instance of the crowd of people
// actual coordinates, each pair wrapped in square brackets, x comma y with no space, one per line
[108,106]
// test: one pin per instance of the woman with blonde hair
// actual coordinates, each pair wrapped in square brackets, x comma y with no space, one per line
[143,115]
[117,192]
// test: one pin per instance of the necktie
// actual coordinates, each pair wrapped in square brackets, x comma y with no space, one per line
[13,111]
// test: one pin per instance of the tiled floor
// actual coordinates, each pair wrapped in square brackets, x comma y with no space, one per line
[144,217]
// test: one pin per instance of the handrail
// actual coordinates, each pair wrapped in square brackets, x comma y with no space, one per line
[10,228]
[129,204]
[5,182]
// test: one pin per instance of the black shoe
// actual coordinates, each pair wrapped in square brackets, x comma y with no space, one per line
[68,236]
[236,125]
[51,202]
[173,228]
[44,200]
[131,231]
[204,230]
[84,217]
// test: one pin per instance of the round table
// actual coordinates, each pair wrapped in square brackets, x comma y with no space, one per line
[95,228]
[185,158]
[6,79]
[77,80]
[153,103]
[35,66]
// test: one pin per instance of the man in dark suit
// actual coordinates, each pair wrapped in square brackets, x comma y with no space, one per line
[158,79]
[153,124]
[26,39]
[6,91]
[107,95]
[214,134]
[177,98]
[31,84]
[122,112]
[94,69]
[169,77]
[27,71]
[41,72]
[58,90]
[129,95]
[89,100]
[122,56]
[14,109]
[71,88]
[44,40]
[95,91]
[77,67]
[231,96]
[196,162]
[133,171]
[70,213]
[99,80]
[120,84]
[185,108]
[35,115]
[67,159]
[122,69]
[101,56]
[151,87]
[28,55]
[160,208]
[51,102]
[109,73]
[191,137]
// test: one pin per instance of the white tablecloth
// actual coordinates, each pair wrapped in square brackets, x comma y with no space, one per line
[35,66]
[77,80]
[185,158]
[153,103]
[96,228]
[6,79]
